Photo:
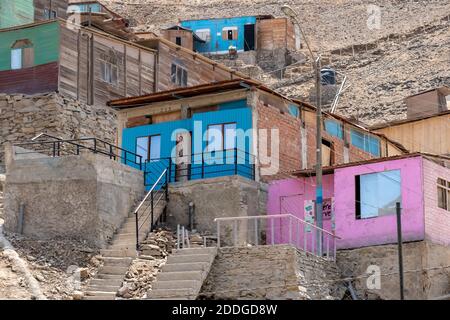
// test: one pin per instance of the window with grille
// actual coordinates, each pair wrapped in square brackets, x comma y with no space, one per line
[109,71]
[443,189]
[178,75]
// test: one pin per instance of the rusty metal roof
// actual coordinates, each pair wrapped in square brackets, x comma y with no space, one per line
[330,169]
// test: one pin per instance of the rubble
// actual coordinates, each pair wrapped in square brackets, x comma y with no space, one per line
[142,272]
[62,267]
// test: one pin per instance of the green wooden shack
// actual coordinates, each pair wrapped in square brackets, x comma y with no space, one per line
[16,12]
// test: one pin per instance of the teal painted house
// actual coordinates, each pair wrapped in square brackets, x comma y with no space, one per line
[16,12]
[29,58]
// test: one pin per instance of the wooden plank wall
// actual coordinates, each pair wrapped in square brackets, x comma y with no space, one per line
[78,79]
[275,34]
[199,71]
[428,135]
[187,38]
[60,6]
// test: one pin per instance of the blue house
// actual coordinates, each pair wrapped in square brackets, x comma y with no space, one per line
[220,34]
[234,127]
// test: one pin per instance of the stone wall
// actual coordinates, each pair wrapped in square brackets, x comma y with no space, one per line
[270,272]
[23,117]
[74,197]
[228,196]
[425,265]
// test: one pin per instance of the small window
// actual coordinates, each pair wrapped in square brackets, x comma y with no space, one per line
[204,34]
[230,33]
[334,128]
[149,147]
[443,189]
[109,71]
[178,40]
[294,111]
[365,141]
[377,194]
[49,14]
[178,75]
[22,54]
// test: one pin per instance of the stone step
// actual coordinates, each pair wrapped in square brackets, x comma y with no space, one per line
[102,288]
[177,284]
[120,252]
[105,294]
[117,261]
[106,282]
[171,293]
[200,250]
[184,258]
[113,270]
[123,246]
[105,276]
[99,297]
[184,275]
[129,236]
[182,267]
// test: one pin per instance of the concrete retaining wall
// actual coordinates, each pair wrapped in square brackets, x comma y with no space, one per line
[425,265]
[83,197]
[229,196]
[270,272]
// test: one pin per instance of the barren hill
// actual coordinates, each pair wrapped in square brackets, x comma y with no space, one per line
[409,53]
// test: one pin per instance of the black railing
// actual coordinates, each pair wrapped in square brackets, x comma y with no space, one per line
[201,165]
[152,199]
[58,147]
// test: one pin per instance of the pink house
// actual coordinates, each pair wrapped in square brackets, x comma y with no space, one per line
[361,197]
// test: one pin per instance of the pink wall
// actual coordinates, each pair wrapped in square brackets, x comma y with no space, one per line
[379,230]
[288,196]
[360,232]
[437,220]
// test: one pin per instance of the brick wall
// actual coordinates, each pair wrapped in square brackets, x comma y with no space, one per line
[437,220]
[289,157]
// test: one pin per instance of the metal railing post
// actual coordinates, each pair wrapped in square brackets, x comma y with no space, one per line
[54,149]
[203,166]
[151,203]
[125,158]
[59,148]
[218,233]
[137,230]
[110,151]
[178,236]
[95,145]
[167,186]
[235,161]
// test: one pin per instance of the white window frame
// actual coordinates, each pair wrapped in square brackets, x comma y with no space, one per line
[204,34]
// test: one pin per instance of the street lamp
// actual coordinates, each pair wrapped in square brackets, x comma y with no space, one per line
[288,11]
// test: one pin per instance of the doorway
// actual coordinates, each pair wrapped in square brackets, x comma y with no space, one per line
[249,37]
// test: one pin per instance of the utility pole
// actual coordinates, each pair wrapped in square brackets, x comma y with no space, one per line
[319,189]
[316,63]
[400,249]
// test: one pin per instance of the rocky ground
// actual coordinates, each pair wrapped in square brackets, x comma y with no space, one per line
[409,52]
[62,268]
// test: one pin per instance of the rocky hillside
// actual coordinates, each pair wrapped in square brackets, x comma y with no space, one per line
[409,53]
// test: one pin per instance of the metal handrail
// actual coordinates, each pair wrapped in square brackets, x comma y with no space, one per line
[294,234]
[58,143]
[274,216]
[151,190]
[152,205]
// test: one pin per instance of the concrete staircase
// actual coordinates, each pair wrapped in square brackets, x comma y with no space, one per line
[117,257]
[183,275]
